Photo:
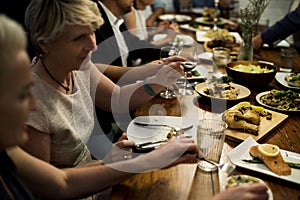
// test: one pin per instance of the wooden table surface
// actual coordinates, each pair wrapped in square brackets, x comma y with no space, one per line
[186,181]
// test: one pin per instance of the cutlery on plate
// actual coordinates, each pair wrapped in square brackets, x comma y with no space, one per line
[147,146]
[176,129]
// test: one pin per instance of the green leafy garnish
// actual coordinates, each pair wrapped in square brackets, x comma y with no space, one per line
[195,73]
[256,160]
[223,79]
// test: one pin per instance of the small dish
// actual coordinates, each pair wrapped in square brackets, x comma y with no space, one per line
[175,17]
[202,71]
[237,180]
[244,92]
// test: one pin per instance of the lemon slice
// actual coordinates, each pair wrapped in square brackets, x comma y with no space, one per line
[268,150]
[258,109]
[242,104]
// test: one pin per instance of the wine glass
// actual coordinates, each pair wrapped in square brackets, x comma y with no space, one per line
[189,53]
[166,52]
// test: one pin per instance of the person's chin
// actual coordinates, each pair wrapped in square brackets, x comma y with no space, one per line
[23,137]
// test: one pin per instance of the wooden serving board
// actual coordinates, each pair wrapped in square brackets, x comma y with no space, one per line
[265,128]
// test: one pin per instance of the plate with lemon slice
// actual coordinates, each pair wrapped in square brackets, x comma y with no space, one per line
[268,121]
[240,154]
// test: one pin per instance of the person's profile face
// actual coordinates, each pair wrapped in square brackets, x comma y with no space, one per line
[72,47]
[16,100]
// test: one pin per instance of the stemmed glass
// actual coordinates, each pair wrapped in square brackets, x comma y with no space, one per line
[215,27]
[166,52]
[189,53]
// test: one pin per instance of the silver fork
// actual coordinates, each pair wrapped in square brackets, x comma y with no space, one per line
[176,129]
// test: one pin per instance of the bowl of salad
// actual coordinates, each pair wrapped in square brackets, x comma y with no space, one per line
[254,74]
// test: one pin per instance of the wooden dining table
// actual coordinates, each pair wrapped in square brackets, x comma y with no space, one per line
[186,181]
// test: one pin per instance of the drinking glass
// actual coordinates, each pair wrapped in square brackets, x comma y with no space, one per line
[221,57]
[166,52]
[189,53]
[210,139]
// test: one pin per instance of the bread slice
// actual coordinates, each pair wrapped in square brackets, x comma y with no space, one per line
[275,164]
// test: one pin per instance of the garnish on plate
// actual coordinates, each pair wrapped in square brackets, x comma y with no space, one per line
[293,80]
[258,161]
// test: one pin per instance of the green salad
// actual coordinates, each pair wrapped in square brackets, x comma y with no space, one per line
[256,69]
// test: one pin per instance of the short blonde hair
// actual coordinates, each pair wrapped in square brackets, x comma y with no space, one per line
[45,19]
[12,40]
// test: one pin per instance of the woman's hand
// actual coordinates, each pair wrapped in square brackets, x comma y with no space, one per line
[169,73]
[244,192]
[121,150]
[176,150]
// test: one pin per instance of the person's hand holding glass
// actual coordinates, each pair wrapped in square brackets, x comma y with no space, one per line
[190,53]
[166,52]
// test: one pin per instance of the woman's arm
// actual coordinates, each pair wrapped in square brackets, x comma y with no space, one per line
[38,144]
[46,181]
[132,74]
[111,97]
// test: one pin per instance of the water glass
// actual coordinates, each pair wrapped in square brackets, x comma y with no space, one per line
[287,57]
[221,57]
[210,139]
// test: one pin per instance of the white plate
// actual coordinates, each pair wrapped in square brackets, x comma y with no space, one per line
[241,152]
[260,95]
[202,20]
[203,72]
[188,27]
[197,10]
[223,186]
[244,92]
[177,17]
[200,37]
[187,40]
[280,77]
[141,134]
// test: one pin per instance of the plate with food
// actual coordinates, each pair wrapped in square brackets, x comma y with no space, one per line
[288,80]
[267,159]
[222,89]
[245,119]
[210,20]
[193,26]
[175,17]
[205,36]
[237,180]
[287,101]
[199,73]
[185,39]
[144,129]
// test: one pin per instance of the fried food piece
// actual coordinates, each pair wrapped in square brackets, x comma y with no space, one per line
[234,123]
[275,164]
[249,116]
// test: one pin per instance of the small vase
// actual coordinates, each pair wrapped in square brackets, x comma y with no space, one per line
[246,48]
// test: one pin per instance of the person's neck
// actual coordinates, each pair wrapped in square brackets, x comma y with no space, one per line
[114,9]
[139,5]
